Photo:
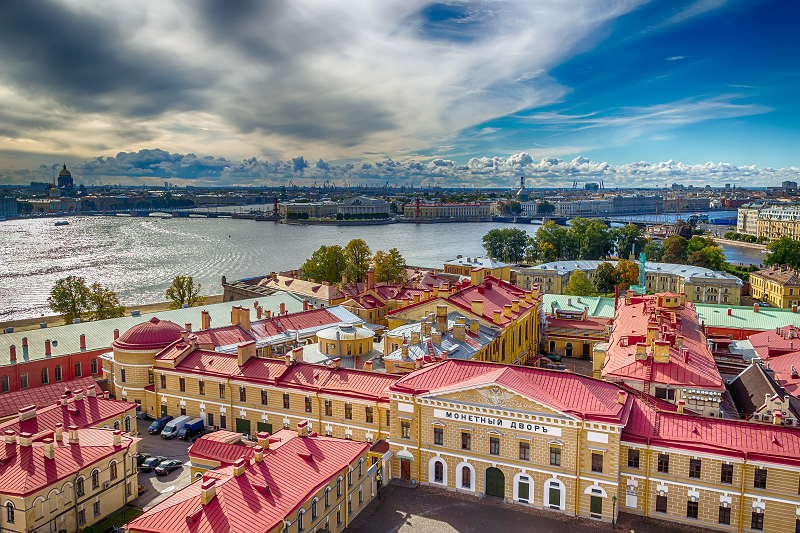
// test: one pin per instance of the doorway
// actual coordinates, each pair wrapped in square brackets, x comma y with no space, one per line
[163,410]
[495,482]
[568,349]
[586,349]
[405,469]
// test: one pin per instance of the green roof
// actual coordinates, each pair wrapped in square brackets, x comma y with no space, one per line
[743,317]
[598,306]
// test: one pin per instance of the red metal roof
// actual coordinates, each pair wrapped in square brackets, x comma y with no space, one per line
[241,503]
[294,322]
[152,335]
[223,336]
[773,343]
[598,324]
[45,395]
[225,453]
[24,470]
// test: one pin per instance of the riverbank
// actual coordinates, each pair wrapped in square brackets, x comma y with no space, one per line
[58,320]
[731,242]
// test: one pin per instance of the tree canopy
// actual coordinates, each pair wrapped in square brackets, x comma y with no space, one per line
[579,285]
[507,244]
[630,237]
[674,250]
[71,298]
[605,278]
[358,256]
[328,263]
[589,238]
[546,208]
[626,274]
[184,291]
[783,251]
[389,267]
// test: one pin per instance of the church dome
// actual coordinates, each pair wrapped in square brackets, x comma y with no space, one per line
[65,172]
[150,336]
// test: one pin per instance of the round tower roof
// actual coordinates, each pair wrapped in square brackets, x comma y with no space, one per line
[346,333]
[65,172]
[150,336]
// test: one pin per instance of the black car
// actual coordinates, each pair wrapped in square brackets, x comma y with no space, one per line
[150,464]
[158,425]
[168,466]
[141,457]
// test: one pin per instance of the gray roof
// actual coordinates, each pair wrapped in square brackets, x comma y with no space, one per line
[598,306]
[475,262]
[750,389]
[100,334]
[688,272]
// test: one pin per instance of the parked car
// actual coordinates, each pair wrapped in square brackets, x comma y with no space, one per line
[158,425]
[151,463]
[763,304]
[168,466]
[173,427]
[141,457]
[204,431]
[190,429]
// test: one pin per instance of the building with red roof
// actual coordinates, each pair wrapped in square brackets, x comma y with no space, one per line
[42,396]
[308,482]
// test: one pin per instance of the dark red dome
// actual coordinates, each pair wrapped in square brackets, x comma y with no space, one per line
[150,336]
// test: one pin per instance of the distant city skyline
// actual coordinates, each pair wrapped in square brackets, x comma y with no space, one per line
[469,94]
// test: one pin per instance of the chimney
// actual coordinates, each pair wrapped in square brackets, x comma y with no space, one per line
[337,362]
[368,366]
[244,318]
[777,420]
[91,392]
[288,359]
[437,338]
[436,292]
[507,310]
[106,395]
[49,450]
[621,397]
[11,437]
[441,319]
[419,362]
[794,309]
[569,302]
[184,334]
[116,334]
[24,342]
[474,327]
[47,350]
[685,354]
[477,307]
[26,413]
[427,295]
[258,312]
[79,394]
[681,403]
[416,298]
[263,440]
[13,353]
[268,314]
[661,352]
[25,439]
[641,351]
[404,350]
[59,432]
[73,435]
[679,341]
[444,355]
[426,327]
[83,341]
[305,305]
[207,491]
[205,320]
[498,318]
[729,311]
[118,438]
[415,337]
[459,332]
[297,354]
[245,351]
[235,315]
[63,399]
[239,466]
[259,453]
[755,308]
[302,429]
[371,278]
[515,306]
[283,308]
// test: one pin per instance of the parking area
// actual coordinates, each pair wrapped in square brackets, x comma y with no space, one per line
[159,488]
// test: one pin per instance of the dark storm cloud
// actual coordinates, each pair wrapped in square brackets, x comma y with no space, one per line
[79,58]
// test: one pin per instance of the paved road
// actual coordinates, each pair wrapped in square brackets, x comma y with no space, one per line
[160,488]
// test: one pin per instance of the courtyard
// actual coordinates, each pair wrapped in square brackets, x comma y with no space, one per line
[159,488]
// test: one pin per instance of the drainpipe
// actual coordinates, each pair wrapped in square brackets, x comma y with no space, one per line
[319,412]
[230,389]
[647,482]
[378,411]
[741,497]
[419,440]
[578,465]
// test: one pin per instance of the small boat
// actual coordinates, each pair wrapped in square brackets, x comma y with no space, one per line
[62,223]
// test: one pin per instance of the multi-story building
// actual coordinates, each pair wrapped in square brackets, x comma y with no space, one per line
[462,266]
[699,284]
[66,481]
[636,203]
[291,481]
[54,203]
[574,325]
[8,206]
[778,285]
[686,204]
[775,222]
[454,210]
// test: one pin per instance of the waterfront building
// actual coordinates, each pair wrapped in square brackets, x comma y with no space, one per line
[463,266]
[54,203]
[775,222]
[636,203]
[447,210]
[8,206]
[699,284]
[291,481]
[778,285]
[66,480]
[686,204]
[327,208]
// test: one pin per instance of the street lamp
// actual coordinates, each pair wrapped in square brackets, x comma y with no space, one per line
[613,512]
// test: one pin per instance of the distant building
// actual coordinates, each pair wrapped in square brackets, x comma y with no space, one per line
[463,266]
[54,203]
[779,285]
[591,187]
[8,206]
[65,179]
[452,210]
[789,185]
[522,194]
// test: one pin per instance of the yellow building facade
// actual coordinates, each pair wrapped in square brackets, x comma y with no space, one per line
[778,285]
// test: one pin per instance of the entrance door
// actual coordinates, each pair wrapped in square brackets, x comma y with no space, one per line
[405,469]
[263,426]
[495,482]
[586,350]
[596,506]
[242,425]
[163,410]
[568,349]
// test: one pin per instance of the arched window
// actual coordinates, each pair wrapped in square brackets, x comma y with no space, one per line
[314,510]
[122,375]
[552,347]
[94,366]
[23,380]
[300,516]
[58,372]
[45,377]
[327,498]
[4,383]
[78,369]
[466,478]
[339,488]
[95,479]
[438,472]
[127,423]
[10,513]
[113,470]
[79,487]
[116,424]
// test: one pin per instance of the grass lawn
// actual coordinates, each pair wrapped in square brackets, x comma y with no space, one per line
[125,515]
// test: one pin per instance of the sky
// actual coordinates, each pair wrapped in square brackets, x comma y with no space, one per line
[456,94]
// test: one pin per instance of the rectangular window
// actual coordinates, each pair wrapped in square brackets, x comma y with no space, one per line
[691,510]
[329,408]
[308,404]
[182,384]
[663,463]
[405,429]
[597,462]
[633,458]
[122,375]
[222,391]
[757,521]
[726,475]
[665,394]
[348,411]
[264,397]
[494,445]
[163,381]
[466,441]
[96,508]
[760,478]
[725,515]
[388,419]
[201,386]
[438,435]
[223,422]
[82,516]
[694,468]
[524,451]
[555,456]
[368,415]
[210,419]
[661,504]
[242,394]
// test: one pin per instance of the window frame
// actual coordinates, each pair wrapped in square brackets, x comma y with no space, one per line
[663,463]
[597,462]
[494,445]
[438,435]
[466,440]
[524,450]
[633,458]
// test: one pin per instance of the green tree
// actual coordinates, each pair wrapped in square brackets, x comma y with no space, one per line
[579,285]
[627,237]
[507,244]
[104,303]
[552,241]
[675,250]
[626,274]
[389,267]
[605,278]
[511,207]
[712,257]
[783,251]
[328,263]
[697,243]
[653,251]
[358,256]
[70,298]
[184,291]
[546,208]
[589,238]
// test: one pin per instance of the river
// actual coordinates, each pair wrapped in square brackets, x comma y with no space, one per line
[138,257]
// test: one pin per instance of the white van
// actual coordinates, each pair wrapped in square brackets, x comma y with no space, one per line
[173,426]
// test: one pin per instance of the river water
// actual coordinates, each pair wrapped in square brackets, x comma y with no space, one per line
[138,257]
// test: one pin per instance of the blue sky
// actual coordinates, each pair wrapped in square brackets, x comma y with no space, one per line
[450,93]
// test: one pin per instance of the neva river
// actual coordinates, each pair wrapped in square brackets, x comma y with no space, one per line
[139,257]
